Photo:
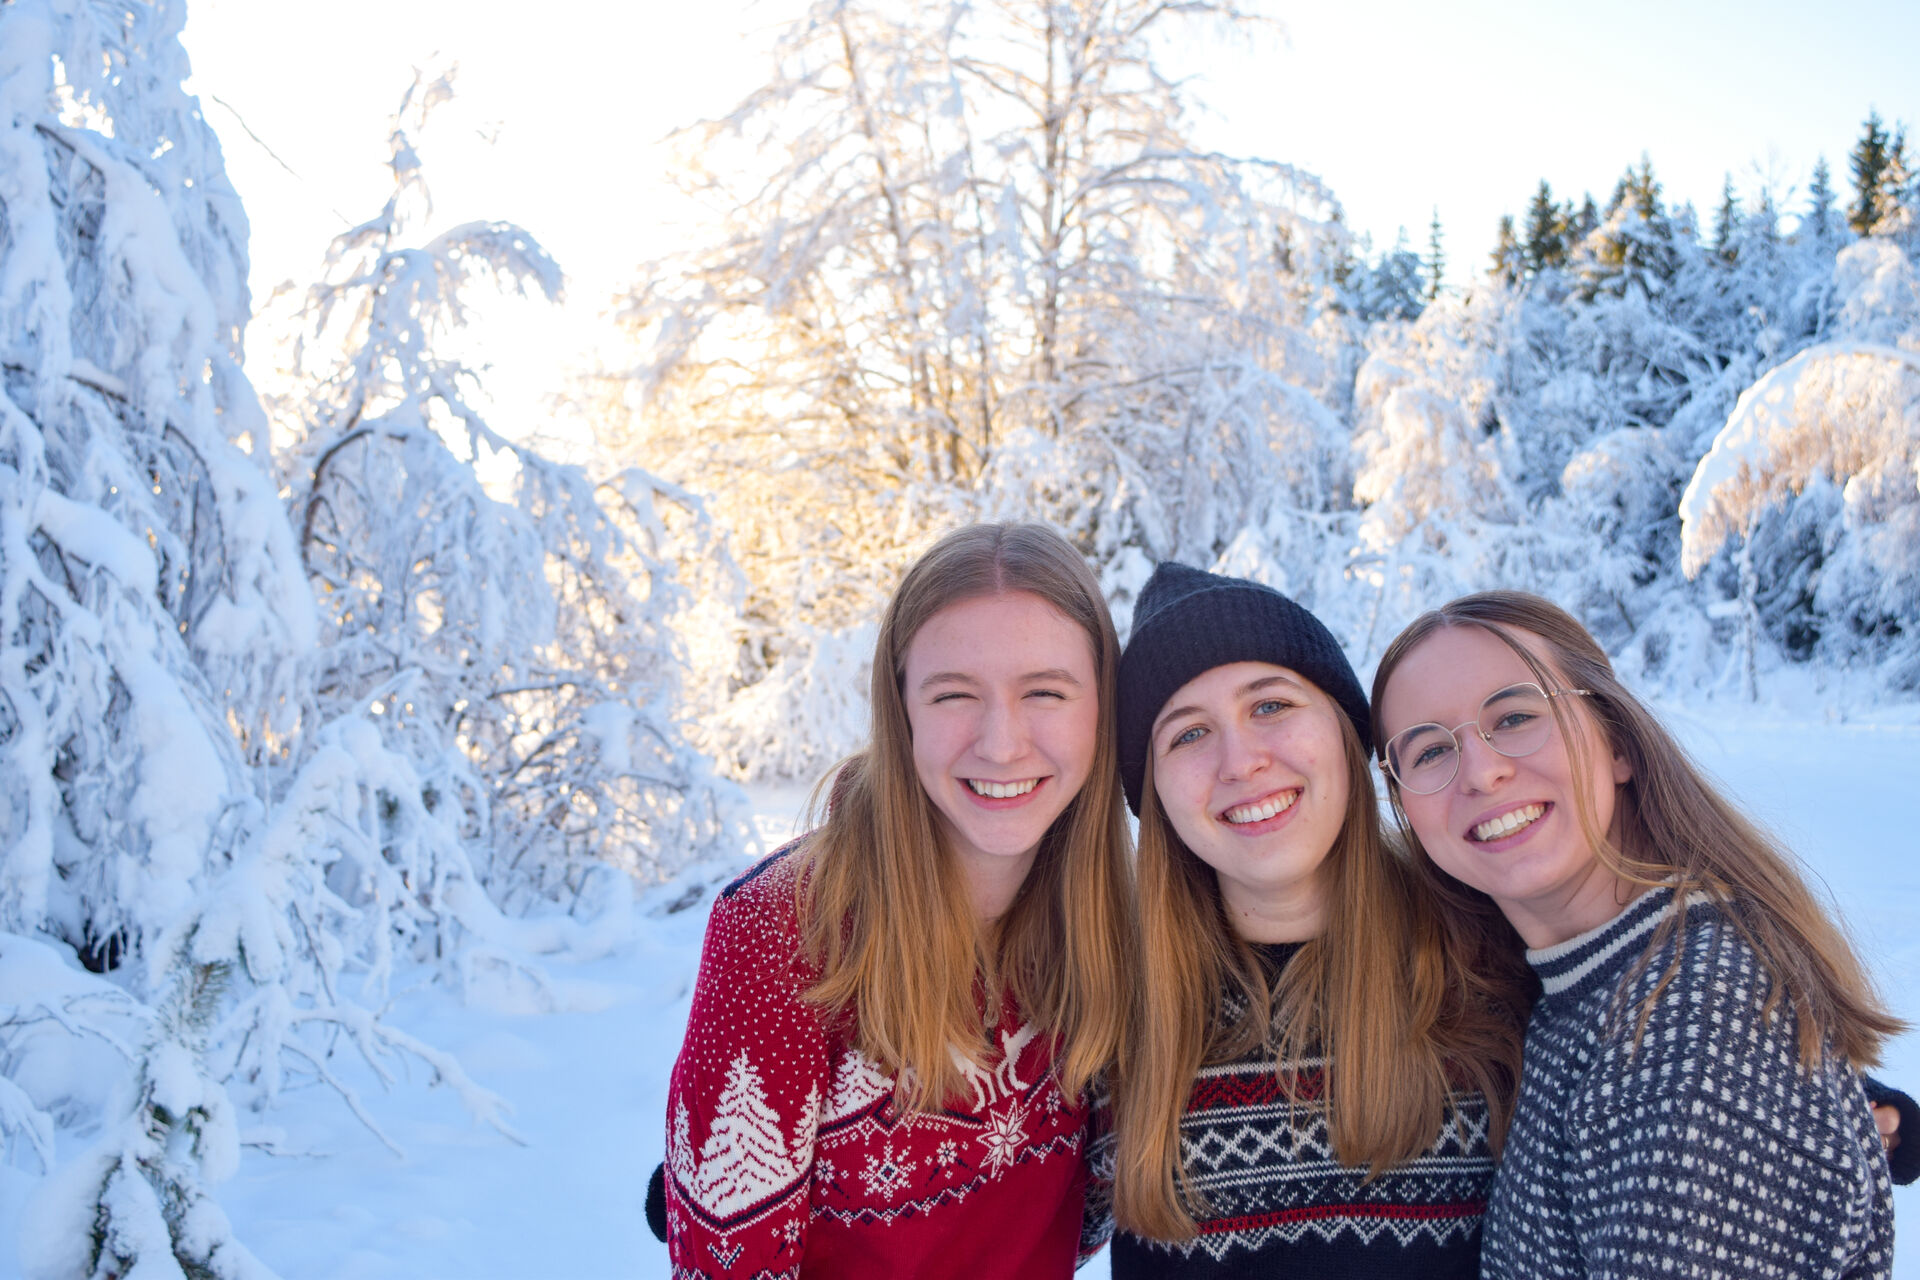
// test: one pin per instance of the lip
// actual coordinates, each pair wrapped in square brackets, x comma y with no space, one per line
[1265,825]
[994,804]
[1517,838]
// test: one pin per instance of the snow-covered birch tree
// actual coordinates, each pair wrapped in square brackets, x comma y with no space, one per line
[974,264]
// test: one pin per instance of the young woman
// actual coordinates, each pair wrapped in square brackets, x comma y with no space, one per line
[1319,1072]
[1691,1104]
[897,1018]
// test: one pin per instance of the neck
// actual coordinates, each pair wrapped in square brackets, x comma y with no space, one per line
[1295,913]
[993,882]
[1570,910]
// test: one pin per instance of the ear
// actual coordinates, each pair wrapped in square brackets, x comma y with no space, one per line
[1622,770]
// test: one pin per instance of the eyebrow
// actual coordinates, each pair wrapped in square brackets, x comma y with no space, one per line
[1252,686]
[1058,675]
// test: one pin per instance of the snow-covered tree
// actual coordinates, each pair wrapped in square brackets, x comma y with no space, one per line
[1844,420]
[515,650]
[976,266]
[1867,163]
[153,621]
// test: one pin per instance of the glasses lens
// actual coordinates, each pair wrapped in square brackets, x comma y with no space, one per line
[1423,758]
[1517,720]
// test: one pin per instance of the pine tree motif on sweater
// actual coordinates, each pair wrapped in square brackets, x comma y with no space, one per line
[745,1158]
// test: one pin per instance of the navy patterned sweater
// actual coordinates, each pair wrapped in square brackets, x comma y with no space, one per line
[1705,1150]
[1281,1204]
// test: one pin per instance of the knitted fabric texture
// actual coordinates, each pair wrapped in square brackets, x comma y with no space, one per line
[1187,622]
[1705,1151]
[1279,1203]
[786,1156]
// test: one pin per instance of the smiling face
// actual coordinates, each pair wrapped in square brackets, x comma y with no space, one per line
[1003,701]
[1509,826]
[1250,767]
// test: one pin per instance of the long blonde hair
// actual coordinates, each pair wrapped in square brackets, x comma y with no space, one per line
[1673,828]
[1408,1008]
[884,913]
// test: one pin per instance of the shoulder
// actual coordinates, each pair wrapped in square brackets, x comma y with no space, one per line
[1702,959]
[1694,1030]
[766,890]
[1697,993]
[775,872]
[756,915]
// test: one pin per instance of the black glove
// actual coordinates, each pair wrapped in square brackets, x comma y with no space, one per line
[657,1196]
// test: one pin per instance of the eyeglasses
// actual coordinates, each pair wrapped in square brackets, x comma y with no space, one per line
[1515,721]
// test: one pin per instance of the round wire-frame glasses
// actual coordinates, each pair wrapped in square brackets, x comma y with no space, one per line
[1515,721]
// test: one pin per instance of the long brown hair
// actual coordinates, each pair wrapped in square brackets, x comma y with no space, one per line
[884,912]
[1407,1007]
[1671,827]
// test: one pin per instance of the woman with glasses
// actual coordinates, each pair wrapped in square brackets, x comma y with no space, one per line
[1691,1103]
[1320,1068]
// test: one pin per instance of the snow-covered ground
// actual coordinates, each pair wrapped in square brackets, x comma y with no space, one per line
[588,1083]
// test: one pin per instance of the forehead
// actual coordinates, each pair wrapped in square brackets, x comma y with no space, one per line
[986,636]
[1446,676]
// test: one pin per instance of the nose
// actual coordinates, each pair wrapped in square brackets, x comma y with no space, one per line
[1481,767]
[1242,754]
[1004,735]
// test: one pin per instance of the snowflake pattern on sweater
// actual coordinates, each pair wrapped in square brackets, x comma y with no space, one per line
[1281,1203]
[1705,1151]
[785,1151]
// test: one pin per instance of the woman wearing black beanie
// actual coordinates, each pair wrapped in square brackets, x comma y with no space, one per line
[1320,1071]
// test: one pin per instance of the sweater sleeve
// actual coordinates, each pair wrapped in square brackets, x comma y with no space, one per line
[1904,1160]
[1096,1220]
[744,1100]
[1706,1150]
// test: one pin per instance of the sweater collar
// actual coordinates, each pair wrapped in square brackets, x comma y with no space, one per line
[1597,957]
[1275,956]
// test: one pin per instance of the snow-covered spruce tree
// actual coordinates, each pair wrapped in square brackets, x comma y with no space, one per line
[510,655]
[1542,433]
[152,623]
[976,266]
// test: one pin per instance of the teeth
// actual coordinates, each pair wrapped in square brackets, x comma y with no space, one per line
[1261,812]
[1508,823]
[1002,790]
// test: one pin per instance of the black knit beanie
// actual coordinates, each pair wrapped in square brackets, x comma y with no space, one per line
[1187,622]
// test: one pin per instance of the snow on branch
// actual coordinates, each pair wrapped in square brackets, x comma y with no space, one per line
[1849,412]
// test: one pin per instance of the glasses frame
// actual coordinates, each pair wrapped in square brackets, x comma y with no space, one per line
[1453,735]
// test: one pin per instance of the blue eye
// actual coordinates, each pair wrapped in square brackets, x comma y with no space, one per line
[1270,706]
[1192,734]
[1432,754]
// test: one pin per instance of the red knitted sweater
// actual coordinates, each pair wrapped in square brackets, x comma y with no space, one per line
[784,1158]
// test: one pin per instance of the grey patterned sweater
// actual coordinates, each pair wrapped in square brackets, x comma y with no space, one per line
[1705,1152]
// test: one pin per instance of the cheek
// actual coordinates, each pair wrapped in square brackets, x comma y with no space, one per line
[1072,738]
[1427,815]
[934,735]
[1179,785]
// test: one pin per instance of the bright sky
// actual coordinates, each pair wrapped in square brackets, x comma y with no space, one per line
[1402,106]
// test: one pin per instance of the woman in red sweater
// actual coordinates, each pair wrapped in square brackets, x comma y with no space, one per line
[898,1016]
